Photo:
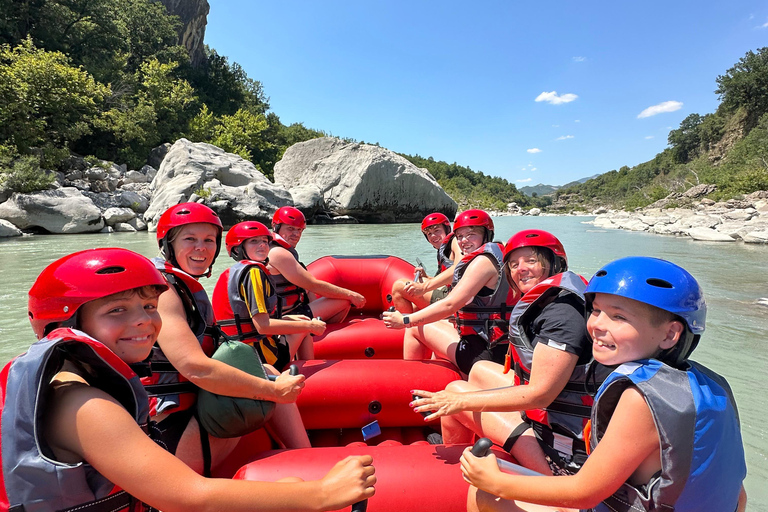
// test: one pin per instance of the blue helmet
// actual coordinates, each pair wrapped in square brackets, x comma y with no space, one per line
[661,284]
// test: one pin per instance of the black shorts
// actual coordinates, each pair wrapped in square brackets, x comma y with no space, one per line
[168,432]
[473,348]
[300,309]
[439,294]
[283,354]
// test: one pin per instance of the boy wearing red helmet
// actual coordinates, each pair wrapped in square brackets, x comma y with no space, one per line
[293,282]
[410,294]
[75,422]
[479,296]
[245,303]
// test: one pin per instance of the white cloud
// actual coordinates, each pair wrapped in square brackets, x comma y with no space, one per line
[577,120]
[665,106]
[533,150]
[555,126]
[579,59]
[526,180]
[563,137]
[764,25]
[534,169]
[524,169]
[553,99]
[648,137]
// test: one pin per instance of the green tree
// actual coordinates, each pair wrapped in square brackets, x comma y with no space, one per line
[44,102]
[746,85]
[685,140]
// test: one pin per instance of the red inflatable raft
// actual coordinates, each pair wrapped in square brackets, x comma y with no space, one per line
[362,334]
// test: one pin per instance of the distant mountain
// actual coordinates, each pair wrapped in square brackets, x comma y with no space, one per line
[543,190]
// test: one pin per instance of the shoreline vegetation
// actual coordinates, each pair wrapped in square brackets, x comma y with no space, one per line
[114,81]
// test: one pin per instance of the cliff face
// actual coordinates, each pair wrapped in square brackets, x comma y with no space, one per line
[194,17]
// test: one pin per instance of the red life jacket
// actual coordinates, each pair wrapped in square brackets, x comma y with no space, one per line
[232,315]
[168,390]
[31,480]
[291,296]
[486,316]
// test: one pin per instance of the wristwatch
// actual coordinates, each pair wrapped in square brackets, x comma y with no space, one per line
[406,320]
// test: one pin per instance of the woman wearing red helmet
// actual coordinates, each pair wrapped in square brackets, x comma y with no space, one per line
[245,303]
[549,351]
[479,297]
[294,283]
[75,418]
[418,293]
[189,236]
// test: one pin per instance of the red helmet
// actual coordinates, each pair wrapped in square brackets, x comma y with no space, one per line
[475,218]
[289,215]
[181,214]
[435,219]
[241,232]
[69,282]
[538,238]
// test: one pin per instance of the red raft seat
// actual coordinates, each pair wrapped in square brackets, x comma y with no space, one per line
[362,334]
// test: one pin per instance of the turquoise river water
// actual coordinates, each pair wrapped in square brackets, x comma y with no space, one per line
[733,277]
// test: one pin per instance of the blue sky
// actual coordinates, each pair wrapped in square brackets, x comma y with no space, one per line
[544,93]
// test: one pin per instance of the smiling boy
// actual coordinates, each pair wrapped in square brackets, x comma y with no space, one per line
[664,430]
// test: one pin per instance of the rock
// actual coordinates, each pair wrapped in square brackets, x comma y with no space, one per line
[134,201]
[193,15]
[742,214]
[137,224]
[95,174]
[709,235]
[7,229]
[229,184]
[367,182]
[64,210]
[701,221]
[148,171]
[599,210]
[135,177]
[107,230]
[157,155]
[534,212]
[707,202]
[699,191]
[756,237]
[604,222]
[114,216]
[124,227]
[308,199]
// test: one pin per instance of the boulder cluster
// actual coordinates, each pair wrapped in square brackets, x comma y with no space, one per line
[328,179]
[690,215]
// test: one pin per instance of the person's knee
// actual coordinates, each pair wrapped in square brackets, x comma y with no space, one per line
[459,386]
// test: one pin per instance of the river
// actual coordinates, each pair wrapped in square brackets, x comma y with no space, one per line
[733,277]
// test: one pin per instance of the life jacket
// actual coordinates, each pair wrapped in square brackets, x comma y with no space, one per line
[561,423]
[168,390]
[702,456]
[486,316]
[32,481]
[444,261]
[232,315]
[291,297]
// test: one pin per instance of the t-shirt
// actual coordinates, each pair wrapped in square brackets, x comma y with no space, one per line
[255,290]
[562,325]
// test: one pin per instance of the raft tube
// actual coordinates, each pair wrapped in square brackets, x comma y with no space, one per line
[354,392]
[410,478]
[362,334]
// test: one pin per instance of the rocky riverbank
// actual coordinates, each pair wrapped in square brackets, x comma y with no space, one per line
[330,180]
[691,215]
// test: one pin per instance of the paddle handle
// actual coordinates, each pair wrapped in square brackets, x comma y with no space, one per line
[482,448]
[360,506]
[292,370]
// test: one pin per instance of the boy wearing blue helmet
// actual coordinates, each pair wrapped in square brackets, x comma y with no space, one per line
[664,430]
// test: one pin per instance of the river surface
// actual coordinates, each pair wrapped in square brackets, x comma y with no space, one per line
[733,277]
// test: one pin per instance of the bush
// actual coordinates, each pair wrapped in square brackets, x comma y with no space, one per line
[22,173]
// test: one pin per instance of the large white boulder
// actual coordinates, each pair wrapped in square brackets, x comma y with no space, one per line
[63,210]
[231,185]
[364,181]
